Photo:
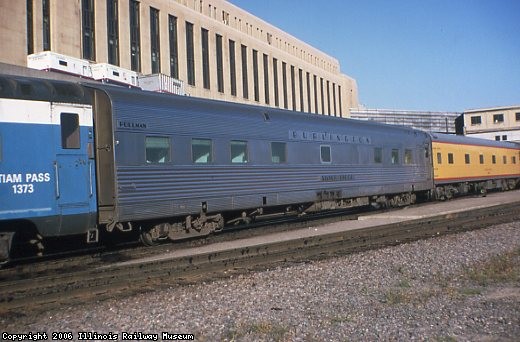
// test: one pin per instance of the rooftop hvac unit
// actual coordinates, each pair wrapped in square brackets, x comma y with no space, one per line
[51,61]
[112,74]
[161,83]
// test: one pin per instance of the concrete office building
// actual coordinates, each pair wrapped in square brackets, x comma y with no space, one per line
[218,50]
[500,123]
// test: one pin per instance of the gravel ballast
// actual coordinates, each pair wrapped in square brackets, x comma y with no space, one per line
[463,287]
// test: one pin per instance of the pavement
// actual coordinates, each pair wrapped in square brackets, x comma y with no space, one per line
[364,221]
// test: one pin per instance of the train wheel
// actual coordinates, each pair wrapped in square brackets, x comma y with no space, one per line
[147,239]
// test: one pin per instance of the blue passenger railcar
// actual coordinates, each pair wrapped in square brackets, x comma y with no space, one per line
[47,179]
[183,166]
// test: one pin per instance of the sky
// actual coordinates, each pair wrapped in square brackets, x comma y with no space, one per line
[432,55]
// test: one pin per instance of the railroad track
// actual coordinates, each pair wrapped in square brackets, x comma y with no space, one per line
[98,280]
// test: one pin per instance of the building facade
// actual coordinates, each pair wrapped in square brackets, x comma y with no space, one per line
[439,122]
[501,123]
[218,50]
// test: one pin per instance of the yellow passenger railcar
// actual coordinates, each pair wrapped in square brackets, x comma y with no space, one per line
[463,164]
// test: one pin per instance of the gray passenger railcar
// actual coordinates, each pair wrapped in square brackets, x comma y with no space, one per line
[180,167]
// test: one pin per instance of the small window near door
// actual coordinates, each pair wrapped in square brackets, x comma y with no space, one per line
[378,155]
[395,156]
[70,131]
[408,159]
[325,155]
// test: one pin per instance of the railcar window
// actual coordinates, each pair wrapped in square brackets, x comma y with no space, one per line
[467,158]
[278,152]
[504,159]
[450,158]
[513,158]
[481,157]
[201,151]
[69,131]
[408,159]
[439,158]
[325,154]
[157,150]
[238,152]
[378,155]
[395,156]
[494,159]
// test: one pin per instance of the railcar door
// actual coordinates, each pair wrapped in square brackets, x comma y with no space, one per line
[74,168]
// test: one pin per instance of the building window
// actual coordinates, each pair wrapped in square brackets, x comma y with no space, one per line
[275,80]
[467,158]
[293,88]
[322,97]
[190,54]
[232,68]
[174,53]
[157,150]
[245,88]
[408,158]
[87,10]
[201,151]
[498,118]
[255,75]
[266,78]
[300,79]
[481,158]
[155,40]
[70,138]
[220,64]
[339,98]
[315,94]
[378,155]
[278,152]
[46,7]
[325,154]
[328,98]
[308,79]
[334,99]
[30,38]
[113,32]
[205,58]
[284,85]
[135,36]
[476,120]
[238,152]
[439,158]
